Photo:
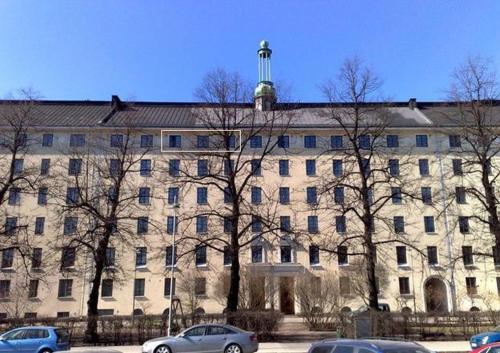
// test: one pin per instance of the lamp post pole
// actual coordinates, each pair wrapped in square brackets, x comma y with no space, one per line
[175,207]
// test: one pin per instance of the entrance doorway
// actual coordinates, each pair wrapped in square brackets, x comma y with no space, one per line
[436,297]
[287,298]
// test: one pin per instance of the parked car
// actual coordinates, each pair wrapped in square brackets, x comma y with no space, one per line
[206,339]
[35,339]
[367,346]
[483,338]
[488,348]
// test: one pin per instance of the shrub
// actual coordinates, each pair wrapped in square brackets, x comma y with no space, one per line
[263,323]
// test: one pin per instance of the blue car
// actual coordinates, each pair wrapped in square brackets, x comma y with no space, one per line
[485,338]
[366,346]
[35,339]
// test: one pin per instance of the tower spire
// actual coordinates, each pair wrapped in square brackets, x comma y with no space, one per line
[265,94]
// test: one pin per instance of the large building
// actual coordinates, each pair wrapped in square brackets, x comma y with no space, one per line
[432,264]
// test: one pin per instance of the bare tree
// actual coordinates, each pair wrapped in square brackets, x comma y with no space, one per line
[96,197]
[364,184]
[241,140]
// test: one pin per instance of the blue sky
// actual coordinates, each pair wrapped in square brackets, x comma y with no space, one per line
[159,50]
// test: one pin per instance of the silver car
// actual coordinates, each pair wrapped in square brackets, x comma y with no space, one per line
[205,339]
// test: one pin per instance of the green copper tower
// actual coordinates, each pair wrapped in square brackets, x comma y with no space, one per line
[265,94]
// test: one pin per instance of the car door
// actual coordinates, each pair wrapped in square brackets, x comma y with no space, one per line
[191,340]
[32,340]
[10,341]
[215,339]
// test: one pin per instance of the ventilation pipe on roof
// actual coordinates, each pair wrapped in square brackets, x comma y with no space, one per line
[412,103]
[116,103]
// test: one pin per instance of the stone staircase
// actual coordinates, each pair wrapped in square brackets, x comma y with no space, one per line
[293,329]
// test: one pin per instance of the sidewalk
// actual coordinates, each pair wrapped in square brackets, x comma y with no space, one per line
[444,346]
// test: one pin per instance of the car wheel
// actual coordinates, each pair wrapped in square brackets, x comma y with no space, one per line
[162,349]
[233,348]
[46,350]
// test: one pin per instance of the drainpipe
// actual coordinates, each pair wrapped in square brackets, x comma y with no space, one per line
[447,230]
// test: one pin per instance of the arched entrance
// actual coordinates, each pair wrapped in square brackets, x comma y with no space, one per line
[436,297]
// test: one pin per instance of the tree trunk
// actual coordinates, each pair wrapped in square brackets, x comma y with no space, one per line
[492,208]
[234,285]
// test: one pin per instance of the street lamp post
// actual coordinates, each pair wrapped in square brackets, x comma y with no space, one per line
[175,207]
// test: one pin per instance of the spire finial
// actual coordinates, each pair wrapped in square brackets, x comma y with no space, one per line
[265,93]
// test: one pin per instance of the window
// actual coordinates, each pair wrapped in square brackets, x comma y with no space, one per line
[423,167]
[285,224]
[365,167]
[14,196]
[226,256]
[487,166]
[310,141]
[142,225]
[227,225]
[228,167]
[116,141]
[115,167]
[340,224]
[255,166]
[401,255]
[201,224]
[463,224]
[257,254]
[109,261]
[200,286]
[336,142]
[396,195]
[467,255]
[139,287]
[146,141]
[39,225]
[496,256]
[392,141]
[144,193]
[426,195]
[70,225]
[65,288]
[10,225]
[394,167]
[310,167]
[33,288]
[76,140]
[145,167]
[284,167]
[429,224]
[18,166]
[256,141]
[364,142]
[421,141]
[7,258]
[170,257]
[107,288]
[256,224]
[72,196]
[284,194]
[68,256]
[256,195]
[4,288]
[455,141]
[338,169]
[399,224]
[47,140]
[432,256]
[470,283]
[170,225]
[45,166]
[202,141]
[312,224]
[36,258]
[344,285]
[343,257]
[312,195]
[173,195]
[460,195]
[201,195]
[457,167]
[404,285]
[174,141]
[174,167]
[498,285]
[313,255]
[284,141]
[286,254]
[202,167]
[141,256]
[166,289]
[338,195]
[231,142]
